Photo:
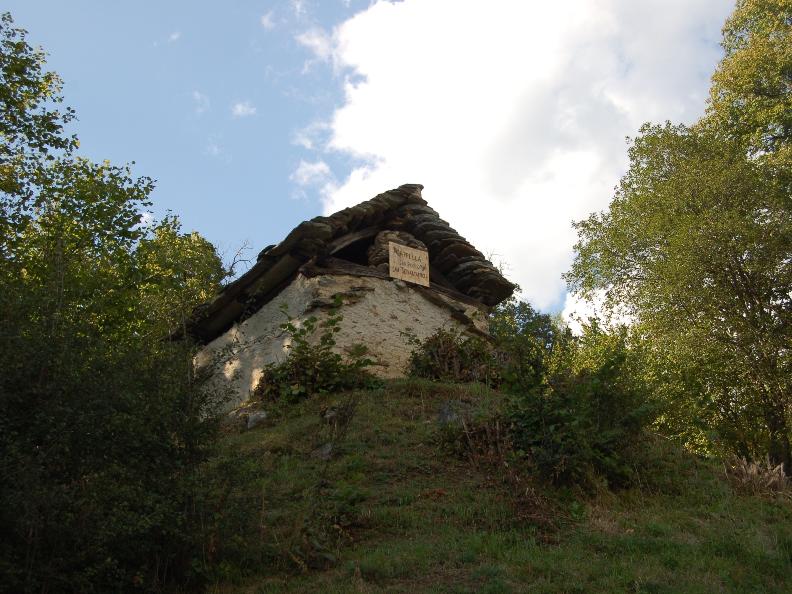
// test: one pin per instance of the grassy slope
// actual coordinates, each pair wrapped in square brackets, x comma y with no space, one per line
[396,510]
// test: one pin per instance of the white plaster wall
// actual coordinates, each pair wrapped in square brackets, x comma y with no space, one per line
[375,311]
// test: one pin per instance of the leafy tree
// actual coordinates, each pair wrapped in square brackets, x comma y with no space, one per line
[180,270]
[697,243]
[526,340]
[751,95]
[31,127]
[102,426]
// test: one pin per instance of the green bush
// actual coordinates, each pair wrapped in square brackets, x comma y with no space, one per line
[99,445]
[452,356]
[578,405]
[312,366]
[526,341]
[588,419]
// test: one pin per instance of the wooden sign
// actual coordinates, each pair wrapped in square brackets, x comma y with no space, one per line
[409,264]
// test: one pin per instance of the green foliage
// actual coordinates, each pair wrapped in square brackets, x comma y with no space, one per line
[751,94]
[526,341]
[179,271]
[696,243]
[588,420]
[102,424]
[98,450]
[31,128]
[696,246]
[312,365]
[451,355]
[580,407]
[515,358]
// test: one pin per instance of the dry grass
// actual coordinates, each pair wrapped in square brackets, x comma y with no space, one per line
[757,478]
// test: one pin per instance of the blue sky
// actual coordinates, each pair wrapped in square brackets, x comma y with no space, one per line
[253,116]
[157,82]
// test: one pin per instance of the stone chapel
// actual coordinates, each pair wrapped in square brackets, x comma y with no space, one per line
[396,267]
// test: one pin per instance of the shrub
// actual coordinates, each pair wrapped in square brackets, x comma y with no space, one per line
[312,366]
[526,340]
[578,406]
[99,465]
[450,355]
[588,420]
[757,478]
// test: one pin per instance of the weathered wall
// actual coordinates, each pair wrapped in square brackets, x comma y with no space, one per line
[375,311]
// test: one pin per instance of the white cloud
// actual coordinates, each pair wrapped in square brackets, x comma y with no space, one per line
[310,174]
[512,114]
[175,36]
[319,43]
[243,109]
[267,21]
[200,102]
[578,310]
[311,136]
[147,219]
[316,175]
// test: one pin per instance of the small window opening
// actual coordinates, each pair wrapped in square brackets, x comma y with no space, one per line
[356,252]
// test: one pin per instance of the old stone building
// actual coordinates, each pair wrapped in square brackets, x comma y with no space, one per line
[351,254]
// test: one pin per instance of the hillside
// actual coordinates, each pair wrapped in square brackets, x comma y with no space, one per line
[401,490]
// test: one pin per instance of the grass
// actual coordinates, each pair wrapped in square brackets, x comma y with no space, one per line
[397,509]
